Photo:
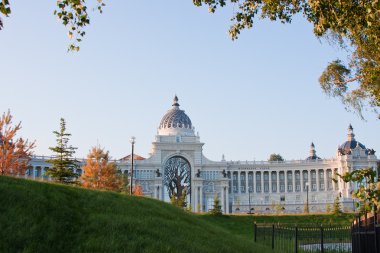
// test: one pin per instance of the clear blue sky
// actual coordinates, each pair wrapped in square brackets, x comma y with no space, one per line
[248,98]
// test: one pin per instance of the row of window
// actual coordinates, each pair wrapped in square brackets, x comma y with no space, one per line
[210,175]
[282,184]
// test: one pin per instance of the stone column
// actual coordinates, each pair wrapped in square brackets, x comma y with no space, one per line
[302,181]
[222,198]
[196,200]
[294,180]
[246,182]
[318,180]
[201,198]
[278,181]
[227,202]
[238,181]
[270,181]
[286,180]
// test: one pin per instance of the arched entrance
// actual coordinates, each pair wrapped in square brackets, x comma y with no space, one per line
[177,179]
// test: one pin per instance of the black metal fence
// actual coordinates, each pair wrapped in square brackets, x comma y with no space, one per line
[304,238]
[366,235]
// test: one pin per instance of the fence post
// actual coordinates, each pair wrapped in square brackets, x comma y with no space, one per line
[272,236]
[374,226]
[296,241]
[255,231]
[322,248]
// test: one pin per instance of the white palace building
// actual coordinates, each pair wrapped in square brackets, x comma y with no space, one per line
[178,166]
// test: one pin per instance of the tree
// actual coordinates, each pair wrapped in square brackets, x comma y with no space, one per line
[368,190]
[100,173]
[179,201]
[353,24]
[63,162]
[337,207]
[177,177]
[328,208]
[73,14]
[275,157]
[138,191]
[15,153]
[216,208]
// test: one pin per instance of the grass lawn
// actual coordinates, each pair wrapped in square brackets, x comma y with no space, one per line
[46,217]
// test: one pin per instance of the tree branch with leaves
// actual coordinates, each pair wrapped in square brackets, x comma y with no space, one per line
[353,25]
[348,24]
[15,153]
[73,14]
[368,191]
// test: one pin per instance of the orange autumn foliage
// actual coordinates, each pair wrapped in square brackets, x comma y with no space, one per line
[100,173]
[15,154]
[138,190]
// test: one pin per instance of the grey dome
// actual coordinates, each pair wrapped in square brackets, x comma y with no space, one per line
[351,143]
[314,157]
[346,147]
[175,118]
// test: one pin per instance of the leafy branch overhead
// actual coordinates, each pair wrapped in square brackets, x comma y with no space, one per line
[72,13]
[354,24]
[368,190]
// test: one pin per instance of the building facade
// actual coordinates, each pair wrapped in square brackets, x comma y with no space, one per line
[177,167]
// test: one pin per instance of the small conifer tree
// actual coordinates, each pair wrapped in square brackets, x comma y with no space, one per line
[337,208]
[217,208]
[328,208]
[63,162]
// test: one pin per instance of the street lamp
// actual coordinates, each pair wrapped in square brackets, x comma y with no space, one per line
[132,141]
[249,199]
[307,196]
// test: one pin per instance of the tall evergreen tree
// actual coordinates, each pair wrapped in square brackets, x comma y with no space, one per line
[63,162]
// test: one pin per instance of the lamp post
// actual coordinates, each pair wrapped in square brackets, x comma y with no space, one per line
[132,141]
[307,197]
[249,199]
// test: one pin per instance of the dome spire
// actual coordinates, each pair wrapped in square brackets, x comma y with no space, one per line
[175,101]
[350,134]
[312,152]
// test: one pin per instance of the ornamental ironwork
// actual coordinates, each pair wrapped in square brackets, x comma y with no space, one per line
[177,177]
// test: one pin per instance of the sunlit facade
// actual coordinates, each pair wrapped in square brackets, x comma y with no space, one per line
[177,165]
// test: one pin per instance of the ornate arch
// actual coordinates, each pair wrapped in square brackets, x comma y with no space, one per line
[177,177]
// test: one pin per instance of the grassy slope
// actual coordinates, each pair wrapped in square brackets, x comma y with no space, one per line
[42,217]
